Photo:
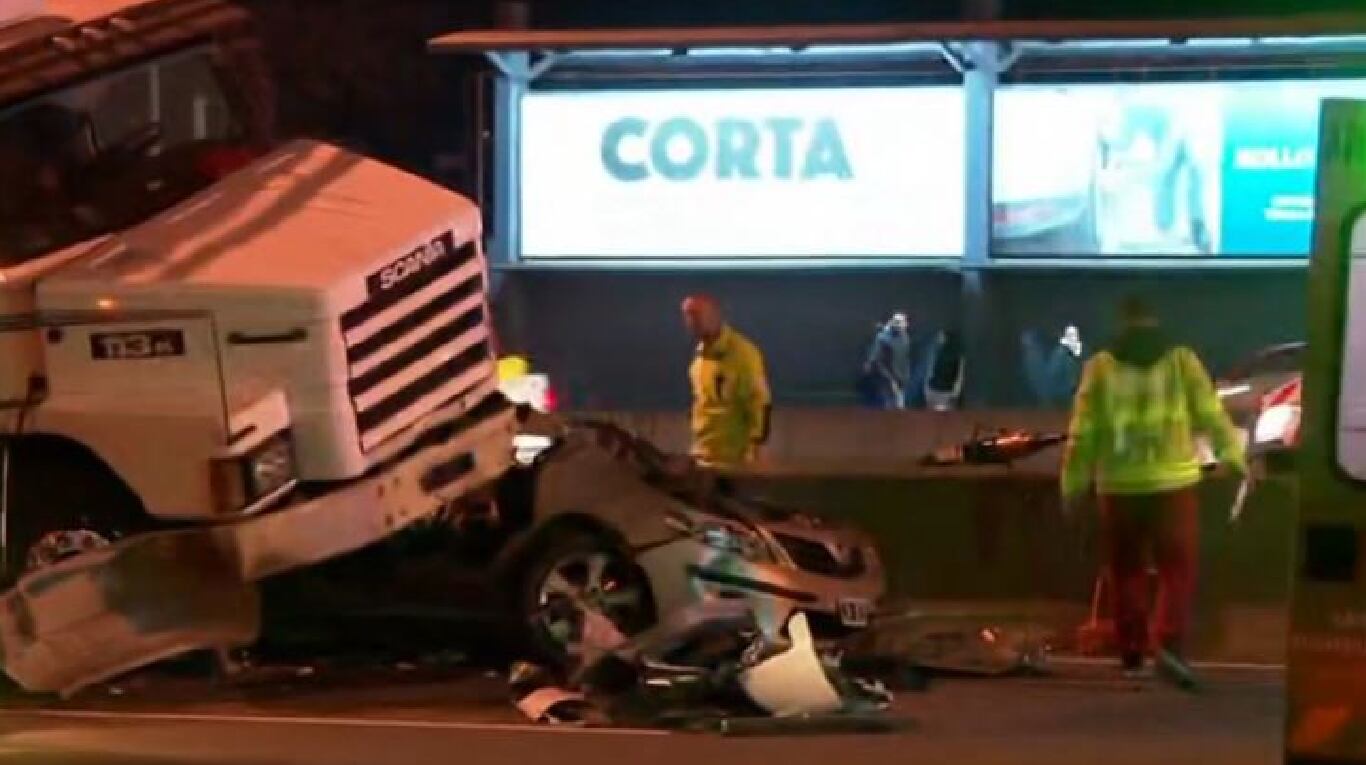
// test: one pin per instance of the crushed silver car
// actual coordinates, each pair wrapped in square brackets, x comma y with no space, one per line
[614,524]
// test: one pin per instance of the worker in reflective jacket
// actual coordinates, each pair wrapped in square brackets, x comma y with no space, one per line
[1141,404]
[730,394]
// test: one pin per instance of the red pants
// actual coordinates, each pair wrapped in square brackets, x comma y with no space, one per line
[1163,528]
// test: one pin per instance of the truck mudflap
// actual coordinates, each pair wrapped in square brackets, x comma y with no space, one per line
[157,595]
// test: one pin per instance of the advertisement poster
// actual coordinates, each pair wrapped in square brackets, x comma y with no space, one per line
[1158,169]
[743,173]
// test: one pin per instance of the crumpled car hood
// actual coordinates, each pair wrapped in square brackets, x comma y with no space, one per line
[755,511]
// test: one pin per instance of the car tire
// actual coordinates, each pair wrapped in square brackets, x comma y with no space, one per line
[565,577]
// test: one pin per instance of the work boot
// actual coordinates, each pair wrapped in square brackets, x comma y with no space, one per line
[1172,668]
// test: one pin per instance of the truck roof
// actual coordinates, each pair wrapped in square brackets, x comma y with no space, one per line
[23,20]
[47,44]
[72,12]
[299,218]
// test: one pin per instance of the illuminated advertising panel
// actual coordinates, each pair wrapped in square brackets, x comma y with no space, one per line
[1158,169]
[742,173]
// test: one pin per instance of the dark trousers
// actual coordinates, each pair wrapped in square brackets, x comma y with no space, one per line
[889,397]
[1161,529]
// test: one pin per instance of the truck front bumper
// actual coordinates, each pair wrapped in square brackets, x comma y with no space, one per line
[157,595]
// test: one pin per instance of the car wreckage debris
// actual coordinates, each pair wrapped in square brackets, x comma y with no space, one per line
[955,644]
[704,668]
[537,695]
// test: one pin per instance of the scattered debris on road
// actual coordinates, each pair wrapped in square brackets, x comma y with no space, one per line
[706,667]
[972,644]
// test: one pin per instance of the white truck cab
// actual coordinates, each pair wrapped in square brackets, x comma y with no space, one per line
[220,358]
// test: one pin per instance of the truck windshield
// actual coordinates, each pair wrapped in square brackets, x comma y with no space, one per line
[109,153]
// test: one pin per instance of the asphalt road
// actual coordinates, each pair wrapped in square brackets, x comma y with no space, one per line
[1082,715]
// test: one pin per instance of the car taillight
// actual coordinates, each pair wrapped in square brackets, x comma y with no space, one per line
[552,400]
[1289,393]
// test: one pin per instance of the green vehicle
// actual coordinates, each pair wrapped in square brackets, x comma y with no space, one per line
[1326,709]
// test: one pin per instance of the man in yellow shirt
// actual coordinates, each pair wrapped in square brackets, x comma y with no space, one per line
[730,395]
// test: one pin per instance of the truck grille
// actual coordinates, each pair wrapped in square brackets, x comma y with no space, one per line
[413,347]
[817,558]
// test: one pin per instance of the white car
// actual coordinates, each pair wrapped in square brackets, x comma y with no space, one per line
[1262,395]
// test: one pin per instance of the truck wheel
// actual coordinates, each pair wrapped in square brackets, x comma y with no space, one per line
[571,576]
[61,505]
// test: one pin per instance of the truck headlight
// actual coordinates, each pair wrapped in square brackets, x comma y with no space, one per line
[726,537]
[239,482]
[271,466]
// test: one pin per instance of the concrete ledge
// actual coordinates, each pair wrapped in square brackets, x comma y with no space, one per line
[859,442]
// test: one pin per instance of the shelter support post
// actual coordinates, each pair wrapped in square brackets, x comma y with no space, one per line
[982,65]
[514,73]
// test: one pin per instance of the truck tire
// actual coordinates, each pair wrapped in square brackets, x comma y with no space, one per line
[62,502]
[569,574]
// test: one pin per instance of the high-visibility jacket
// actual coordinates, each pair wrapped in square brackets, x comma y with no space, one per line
[1133,426]
[730,399]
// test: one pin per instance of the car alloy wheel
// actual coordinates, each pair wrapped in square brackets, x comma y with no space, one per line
[581,581]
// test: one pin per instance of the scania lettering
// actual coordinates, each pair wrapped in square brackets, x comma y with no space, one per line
[408,265]
[734,148]
[222,358]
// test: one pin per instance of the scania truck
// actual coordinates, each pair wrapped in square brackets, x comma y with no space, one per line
[222,356]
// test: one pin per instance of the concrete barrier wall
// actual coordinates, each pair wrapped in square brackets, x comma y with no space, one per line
[960,538]
[612,339]
[858,441]
[992,535]
[1004,540]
